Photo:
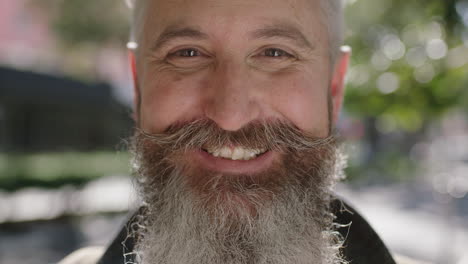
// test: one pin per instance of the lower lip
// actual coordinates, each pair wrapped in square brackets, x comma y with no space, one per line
[261,162]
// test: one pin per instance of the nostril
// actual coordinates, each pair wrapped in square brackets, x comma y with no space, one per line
[231,114]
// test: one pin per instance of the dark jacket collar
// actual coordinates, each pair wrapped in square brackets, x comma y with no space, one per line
[362,244]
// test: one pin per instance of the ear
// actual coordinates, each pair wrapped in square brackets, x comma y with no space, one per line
[136,88]
[338,79]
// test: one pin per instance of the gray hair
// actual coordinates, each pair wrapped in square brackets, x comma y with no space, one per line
[333,10]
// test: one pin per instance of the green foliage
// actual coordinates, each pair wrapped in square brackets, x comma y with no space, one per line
[83,22]
[409,69]
[392,38]
[390,167]
[56,169]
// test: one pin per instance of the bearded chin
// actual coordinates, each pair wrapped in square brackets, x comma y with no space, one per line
[197,216]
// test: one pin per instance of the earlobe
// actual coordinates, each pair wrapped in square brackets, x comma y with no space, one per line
[338,79]
[136,89]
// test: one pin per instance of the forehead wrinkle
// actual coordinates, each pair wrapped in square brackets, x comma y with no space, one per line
[176,31]
[283,30]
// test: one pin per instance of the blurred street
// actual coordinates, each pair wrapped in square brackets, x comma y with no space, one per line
[407,217]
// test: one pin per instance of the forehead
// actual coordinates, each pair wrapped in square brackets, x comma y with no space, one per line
[229,17]
[171,7]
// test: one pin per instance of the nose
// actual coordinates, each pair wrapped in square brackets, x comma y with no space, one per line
[231,100]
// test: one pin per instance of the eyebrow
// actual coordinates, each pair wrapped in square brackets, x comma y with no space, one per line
[283,30]
[277,30]
[177,31]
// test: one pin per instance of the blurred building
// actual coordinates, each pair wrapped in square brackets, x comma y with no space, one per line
[41,109]
[40,112]
[25,35]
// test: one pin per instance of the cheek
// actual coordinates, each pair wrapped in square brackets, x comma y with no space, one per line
[302,100]
[168,99]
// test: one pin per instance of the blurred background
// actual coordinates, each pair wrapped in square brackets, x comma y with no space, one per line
[65,111]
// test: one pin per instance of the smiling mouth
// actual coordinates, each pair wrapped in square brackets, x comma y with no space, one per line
[235,153]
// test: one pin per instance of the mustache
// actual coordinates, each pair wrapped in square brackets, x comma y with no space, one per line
[202,133]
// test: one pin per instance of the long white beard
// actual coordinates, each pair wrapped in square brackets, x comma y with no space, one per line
[282,219]
[293,227]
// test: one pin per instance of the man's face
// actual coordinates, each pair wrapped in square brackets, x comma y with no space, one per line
[234,95]
[234,62]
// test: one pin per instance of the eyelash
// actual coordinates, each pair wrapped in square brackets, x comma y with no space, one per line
[179,53]
[276,51]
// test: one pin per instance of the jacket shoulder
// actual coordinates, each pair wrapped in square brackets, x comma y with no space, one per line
[400,259]
[87,255]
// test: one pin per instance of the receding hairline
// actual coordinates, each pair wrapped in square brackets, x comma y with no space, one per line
[333,10]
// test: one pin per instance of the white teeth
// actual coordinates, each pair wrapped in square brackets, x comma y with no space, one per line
[225,152]
[238,153]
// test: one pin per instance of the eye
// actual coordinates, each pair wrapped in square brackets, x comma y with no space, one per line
[188,58]
[273,58]
[189,53]
[276,53]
